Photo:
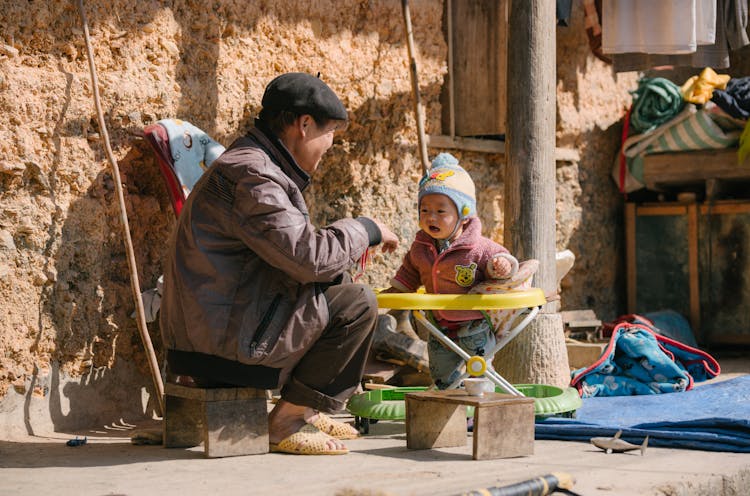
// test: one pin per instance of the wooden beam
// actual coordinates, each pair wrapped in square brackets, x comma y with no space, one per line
[451,73]
[490,146]
[657,209]
[682,168]
[726,207]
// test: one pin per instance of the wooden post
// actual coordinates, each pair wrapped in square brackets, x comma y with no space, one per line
[631,266]
[530,181]
[530,138]
[693,267]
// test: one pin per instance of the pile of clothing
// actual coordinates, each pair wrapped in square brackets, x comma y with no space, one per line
[709,111]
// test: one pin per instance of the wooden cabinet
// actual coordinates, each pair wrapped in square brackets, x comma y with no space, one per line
[693,258]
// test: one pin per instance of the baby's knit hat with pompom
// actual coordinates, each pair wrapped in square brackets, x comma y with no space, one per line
[450,179]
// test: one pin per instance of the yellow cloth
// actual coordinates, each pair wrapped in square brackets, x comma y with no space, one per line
[699,89]
[744,150]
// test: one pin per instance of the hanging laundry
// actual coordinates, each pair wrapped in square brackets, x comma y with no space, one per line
[645,26]
[705,22]
[699,89]
[562,11]
[730,34]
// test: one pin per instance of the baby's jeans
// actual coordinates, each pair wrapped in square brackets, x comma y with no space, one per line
[475,338]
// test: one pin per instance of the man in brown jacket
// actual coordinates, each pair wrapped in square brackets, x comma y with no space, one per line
[254,294]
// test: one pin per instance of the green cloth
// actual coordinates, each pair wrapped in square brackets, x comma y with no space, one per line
[655,102]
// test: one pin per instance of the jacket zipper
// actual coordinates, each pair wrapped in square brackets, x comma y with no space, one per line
[264,323]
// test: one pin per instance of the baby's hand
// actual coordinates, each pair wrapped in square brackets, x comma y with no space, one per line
[501,267]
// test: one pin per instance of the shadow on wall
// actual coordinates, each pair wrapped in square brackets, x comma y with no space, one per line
[103,399]
[597,280]
[90,302]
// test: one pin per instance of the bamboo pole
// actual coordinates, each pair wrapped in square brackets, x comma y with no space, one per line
[418,110]
[140,314]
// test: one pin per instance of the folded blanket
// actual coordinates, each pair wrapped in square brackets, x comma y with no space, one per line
[640,361]
[655,102]
[714,417]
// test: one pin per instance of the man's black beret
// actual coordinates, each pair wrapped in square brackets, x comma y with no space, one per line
[304,94]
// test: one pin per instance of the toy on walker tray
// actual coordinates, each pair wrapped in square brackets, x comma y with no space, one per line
[511,307]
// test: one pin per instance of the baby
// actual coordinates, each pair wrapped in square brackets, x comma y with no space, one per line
[450,255]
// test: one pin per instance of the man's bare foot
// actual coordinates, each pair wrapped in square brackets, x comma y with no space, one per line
[287,418]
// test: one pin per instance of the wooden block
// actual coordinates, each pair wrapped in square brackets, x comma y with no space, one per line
[430,424]
[183,422]
[584,354]
[236,427]
[229,421]
[503,423]
[378,371]
[571,316]
[503,431]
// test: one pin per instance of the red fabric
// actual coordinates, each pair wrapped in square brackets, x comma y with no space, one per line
[157,137]
[623,163]
[609,327]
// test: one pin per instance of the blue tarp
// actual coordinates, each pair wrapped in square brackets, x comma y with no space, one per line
[710,417]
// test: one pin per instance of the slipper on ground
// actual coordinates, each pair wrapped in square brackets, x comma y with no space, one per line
[334,428]
[306,441]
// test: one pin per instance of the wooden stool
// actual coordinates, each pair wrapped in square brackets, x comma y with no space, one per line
[503,423]
[229,421]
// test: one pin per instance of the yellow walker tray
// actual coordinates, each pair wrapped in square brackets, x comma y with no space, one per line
[511,300]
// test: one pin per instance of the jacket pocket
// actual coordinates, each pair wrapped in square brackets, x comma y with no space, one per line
[266,336]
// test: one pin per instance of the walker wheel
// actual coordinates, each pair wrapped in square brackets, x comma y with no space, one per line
[476,366]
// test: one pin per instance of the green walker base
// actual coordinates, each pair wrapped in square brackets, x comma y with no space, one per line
[389,404]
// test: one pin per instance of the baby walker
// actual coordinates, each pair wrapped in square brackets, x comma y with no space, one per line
[511,311]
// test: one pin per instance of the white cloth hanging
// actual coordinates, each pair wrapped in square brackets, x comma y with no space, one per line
[648,26]
[705,22]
